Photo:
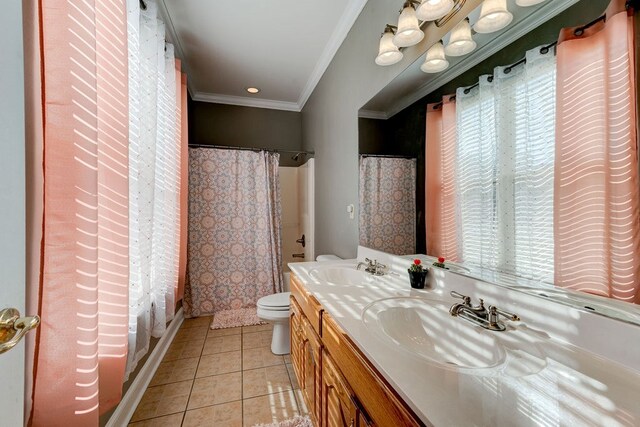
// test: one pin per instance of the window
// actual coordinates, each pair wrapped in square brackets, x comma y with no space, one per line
[505,165]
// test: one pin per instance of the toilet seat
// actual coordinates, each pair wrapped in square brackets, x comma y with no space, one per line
[275,302]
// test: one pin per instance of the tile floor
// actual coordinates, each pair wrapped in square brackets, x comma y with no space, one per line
[221,378]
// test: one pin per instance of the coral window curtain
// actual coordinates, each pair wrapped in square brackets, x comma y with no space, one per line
[597,230]
[82,342]
[440,187]
[85,120]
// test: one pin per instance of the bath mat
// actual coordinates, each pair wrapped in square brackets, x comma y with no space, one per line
[297,421]
[233,318]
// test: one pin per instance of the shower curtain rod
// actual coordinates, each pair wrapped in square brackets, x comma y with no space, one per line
[272,150]
[391,156]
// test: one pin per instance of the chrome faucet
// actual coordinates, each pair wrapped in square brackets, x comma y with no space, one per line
[488,319]
[372,267]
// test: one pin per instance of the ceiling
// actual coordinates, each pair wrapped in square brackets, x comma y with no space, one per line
[282,47]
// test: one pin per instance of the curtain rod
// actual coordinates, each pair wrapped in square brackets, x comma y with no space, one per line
[272,150]
[390,156]
[543,50]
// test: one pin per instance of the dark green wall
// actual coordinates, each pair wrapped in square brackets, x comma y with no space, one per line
[371,136]
[235,126]
[404,133]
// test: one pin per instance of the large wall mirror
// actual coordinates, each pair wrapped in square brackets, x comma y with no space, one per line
[504,89]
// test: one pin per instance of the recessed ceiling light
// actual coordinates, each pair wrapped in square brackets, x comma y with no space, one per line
[253,90]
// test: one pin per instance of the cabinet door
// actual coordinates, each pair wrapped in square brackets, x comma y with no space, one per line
[296,335]
[338,407]
[311,356]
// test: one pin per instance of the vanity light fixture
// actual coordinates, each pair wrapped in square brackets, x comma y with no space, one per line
[494,16]
[253,90]
[435,61]
[460,42]
[431,10]
[527,3]
[408,32]
[388,53]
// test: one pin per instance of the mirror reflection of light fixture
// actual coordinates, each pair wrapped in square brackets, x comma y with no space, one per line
[435,61]
[461,42]
[526,3]
[388,53]
[494,16]
[408,32]
[430,10]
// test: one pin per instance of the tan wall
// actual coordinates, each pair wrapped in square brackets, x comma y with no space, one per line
[290,215]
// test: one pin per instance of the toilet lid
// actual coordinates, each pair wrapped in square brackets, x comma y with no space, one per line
[275,301]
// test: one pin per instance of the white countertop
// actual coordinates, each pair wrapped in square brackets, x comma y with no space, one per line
[559,384]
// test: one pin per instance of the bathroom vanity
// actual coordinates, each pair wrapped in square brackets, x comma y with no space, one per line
[369,350]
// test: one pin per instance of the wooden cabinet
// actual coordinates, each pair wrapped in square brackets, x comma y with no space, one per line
[377,399]
[339,405]
[306,353]
[340,386]
[295,331]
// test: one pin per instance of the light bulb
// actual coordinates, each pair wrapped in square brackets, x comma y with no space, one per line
[408,32]
[494,16]
[430,10]
[388,53]
[435,61]
[461,42]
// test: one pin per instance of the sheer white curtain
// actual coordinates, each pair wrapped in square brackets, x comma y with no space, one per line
[154,158]
[505,163]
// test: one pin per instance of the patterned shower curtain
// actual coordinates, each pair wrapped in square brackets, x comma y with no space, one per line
[388,204]
[234,249]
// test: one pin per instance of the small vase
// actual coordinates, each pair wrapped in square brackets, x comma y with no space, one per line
[417,278]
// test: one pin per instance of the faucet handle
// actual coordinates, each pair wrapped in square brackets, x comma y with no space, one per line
[464,298]
[494,311]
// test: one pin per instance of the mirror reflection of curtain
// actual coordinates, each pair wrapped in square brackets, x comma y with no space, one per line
[440,209]
[388,204]
[597,227]
[490,171]
[234,231]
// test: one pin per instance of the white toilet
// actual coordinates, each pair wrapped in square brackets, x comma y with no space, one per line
[275,309]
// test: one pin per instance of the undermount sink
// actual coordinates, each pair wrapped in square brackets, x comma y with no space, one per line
[424,328]
[342,275]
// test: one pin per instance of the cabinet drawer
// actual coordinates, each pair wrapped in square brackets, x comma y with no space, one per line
[377,398]
[308,304]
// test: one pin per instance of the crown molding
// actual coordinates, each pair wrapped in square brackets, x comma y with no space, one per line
[348,18]
[245,101]
[370,114]
[177,44]
[351,13]
[532,21]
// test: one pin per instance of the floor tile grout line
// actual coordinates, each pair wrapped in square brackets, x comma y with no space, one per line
[193,382]
[153,418]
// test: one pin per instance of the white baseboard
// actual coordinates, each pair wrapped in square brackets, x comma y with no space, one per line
[127,406]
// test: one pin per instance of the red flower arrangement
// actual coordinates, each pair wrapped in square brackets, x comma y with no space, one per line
[440,263]
[416,266]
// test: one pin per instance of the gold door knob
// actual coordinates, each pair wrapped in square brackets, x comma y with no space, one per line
[13,327]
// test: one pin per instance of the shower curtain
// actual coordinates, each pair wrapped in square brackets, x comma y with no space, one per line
[234,244]
[388,204]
